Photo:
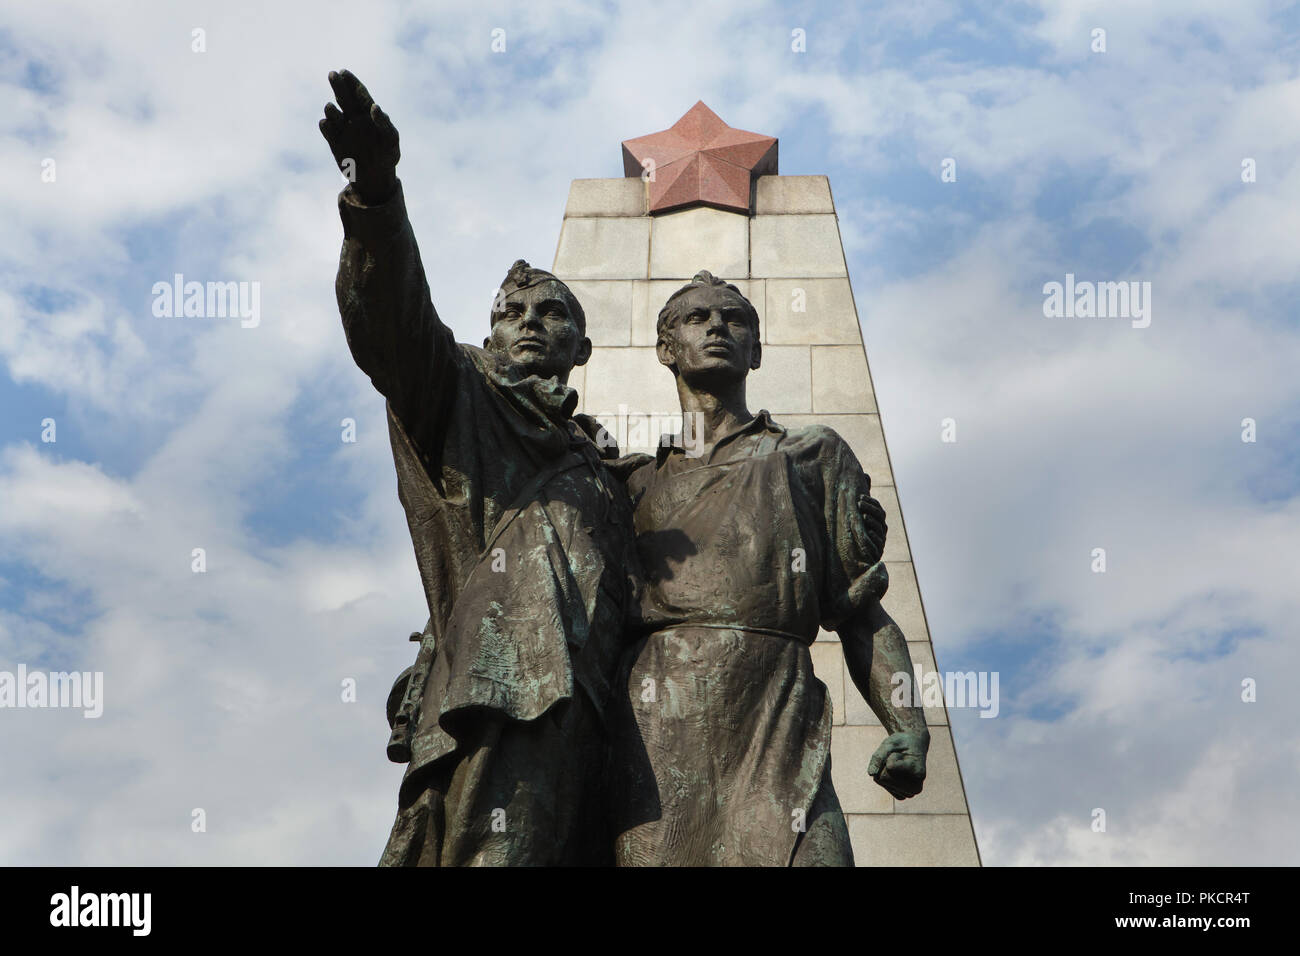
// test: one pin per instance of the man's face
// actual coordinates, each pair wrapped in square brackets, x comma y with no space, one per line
[533,331]
[712,339]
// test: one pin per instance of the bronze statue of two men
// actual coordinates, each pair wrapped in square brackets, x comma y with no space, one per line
[616,667]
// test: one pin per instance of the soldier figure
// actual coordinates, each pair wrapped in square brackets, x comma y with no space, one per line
[523,539]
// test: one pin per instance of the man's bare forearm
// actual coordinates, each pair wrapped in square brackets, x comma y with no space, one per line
[875,650]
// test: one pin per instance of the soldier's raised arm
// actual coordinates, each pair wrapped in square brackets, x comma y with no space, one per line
[392,328]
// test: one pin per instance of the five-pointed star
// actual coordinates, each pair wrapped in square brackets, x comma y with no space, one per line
[700,160]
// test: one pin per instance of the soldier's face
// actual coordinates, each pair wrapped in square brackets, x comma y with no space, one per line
[534,331]
[711,339]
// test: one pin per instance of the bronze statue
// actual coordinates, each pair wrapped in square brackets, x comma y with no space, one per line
[566,706]
[522,537]
[724,750]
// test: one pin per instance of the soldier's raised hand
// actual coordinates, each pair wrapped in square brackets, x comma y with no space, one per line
[362,139]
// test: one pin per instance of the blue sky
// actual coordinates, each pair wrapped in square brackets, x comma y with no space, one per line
[222,690]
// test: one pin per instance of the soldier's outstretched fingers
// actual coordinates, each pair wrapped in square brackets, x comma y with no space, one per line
[342,91]
[351,94]
[332,125]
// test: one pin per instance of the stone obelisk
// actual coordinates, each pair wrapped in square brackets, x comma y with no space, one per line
[703,195]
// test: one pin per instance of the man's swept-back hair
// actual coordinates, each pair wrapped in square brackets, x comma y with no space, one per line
[670,313]
[523,276]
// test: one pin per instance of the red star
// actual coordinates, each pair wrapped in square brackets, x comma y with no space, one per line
[701,160]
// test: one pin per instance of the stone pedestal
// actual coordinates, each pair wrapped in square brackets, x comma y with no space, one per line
[787,258]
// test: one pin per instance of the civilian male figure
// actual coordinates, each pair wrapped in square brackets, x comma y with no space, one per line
[522,540]
[747,549]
